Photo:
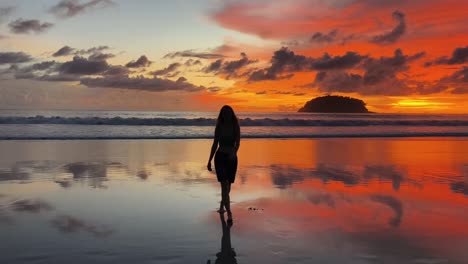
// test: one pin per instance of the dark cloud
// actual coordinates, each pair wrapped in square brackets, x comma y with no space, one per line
[143,61]
[105,75]
[285,60]
[457,80]
[92,50]
[459,76]
[30,72]
[169,70]
[232,67]
[64,51]
[69,224]
[83,66]
[320,37]
[193,54]
[380,77]
[192,62]
[214,66]
[100,56]
[117,70]
[291,93]
[265,74]
[31,206]
[459,56]
[229,68]
[70,8]
[213,89]
[67,51]
[45,65]
[327,62]
[141,83]
[338,81]
[378,70]
[394,204]
[345,39]
[14,57]
[21,26]
[395,34]
[52,77]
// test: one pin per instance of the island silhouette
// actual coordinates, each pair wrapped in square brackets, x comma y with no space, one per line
[334,104]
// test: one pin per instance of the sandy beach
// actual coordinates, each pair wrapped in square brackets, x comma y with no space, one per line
[386,200]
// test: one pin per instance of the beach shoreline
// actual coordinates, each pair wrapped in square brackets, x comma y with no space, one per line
[382,199]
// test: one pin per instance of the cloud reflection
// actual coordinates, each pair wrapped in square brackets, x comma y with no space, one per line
[143,175]
[392,202]
[459,187]
[30,206]
[86,170]
[386,173]
[322,198]
[94,172]
[13,175]
[69,224]
[327,173]
[285,176]
[64,183]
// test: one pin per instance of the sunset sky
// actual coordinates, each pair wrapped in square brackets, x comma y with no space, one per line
[256,55]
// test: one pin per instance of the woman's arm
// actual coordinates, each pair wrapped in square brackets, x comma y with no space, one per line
[213,147]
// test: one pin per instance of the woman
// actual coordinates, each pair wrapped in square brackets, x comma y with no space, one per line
[227,135]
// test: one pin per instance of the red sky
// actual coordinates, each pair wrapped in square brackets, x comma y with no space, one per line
[257,55]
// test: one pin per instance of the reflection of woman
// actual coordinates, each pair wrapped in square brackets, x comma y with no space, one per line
[227,134]
[227,254]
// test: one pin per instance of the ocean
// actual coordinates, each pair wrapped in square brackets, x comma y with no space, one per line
[337,188]
[21,124]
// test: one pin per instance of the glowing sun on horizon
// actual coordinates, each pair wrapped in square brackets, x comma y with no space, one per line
[421,104]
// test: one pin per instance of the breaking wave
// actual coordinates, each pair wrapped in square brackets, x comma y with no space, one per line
[120,121]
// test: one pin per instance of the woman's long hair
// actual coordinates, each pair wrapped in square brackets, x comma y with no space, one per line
[221,120]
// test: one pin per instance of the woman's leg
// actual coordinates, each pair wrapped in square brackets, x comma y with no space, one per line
[221,203]
[225,188]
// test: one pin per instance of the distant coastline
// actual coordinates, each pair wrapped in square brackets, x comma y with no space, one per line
[334,104]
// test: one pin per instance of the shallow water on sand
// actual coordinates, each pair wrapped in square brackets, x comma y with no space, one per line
[294,201]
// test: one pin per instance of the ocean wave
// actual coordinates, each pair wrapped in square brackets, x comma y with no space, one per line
[119,121]
[256,136]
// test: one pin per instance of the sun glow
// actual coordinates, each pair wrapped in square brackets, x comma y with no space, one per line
[420,103]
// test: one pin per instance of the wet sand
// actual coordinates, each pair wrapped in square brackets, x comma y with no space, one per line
[388,200]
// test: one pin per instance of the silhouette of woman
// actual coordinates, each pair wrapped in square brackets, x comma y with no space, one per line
[227,135]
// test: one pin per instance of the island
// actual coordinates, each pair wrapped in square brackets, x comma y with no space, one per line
[334,104]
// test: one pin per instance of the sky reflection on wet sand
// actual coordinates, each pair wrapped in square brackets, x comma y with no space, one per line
[294,201]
